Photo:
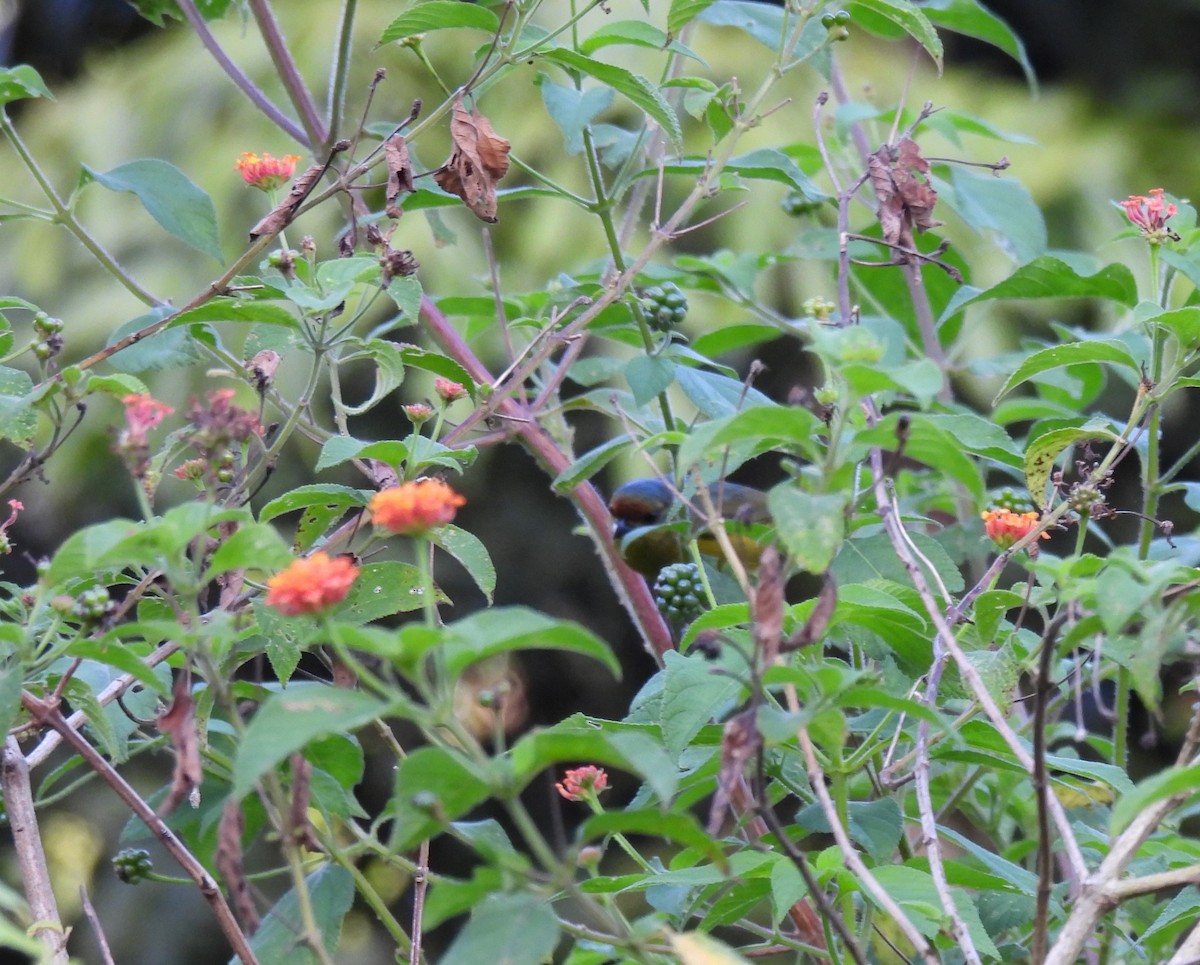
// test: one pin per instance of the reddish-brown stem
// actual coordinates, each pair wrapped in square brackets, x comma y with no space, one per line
[289,73]
[50,716]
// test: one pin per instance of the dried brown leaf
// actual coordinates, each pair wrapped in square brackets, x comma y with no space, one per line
[400,173]
[898,177]
[299,827]
[739,743]
[768,607]
[228,859]
[282,214]
[477,161]
[178,722]
[818,619]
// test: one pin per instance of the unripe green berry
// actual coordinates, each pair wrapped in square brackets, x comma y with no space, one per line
[132,865]
[665,306]
[679,593]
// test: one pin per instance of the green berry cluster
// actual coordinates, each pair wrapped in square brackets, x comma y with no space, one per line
[836,24]
[665,306]
[93,605]
[132,865]
[49,336]
[679,593]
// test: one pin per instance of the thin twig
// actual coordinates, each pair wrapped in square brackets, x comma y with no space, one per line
[420,885]
[101,939]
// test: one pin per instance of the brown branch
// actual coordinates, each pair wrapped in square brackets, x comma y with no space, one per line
[50,716]
[31,858]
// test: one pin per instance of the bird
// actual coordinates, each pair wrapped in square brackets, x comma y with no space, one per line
[652,535]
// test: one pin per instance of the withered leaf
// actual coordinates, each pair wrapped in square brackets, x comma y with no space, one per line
[301,830]
[477,161]
[178,722]
[899,177]
[282,214]
[739,743]
[400,173]
[229,863]
[818,619]
[768,607]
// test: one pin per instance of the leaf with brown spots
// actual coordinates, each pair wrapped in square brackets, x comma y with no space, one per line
[178,722]
[400,173]
[478,160]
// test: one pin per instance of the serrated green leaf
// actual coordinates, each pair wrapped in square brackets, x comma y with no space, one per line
[1166,783]
[1091,352]
[324,495]
[635,88]
[809,526]
[999,208]
[253,547]
[648,375]
[1050,277]
[573,110]
[970,18]
[876,825]
[171,198]
[439,15]
[434,785]
[18,418]
[693,694]
[764,164]
[383,589]
[227,310]
[589,464]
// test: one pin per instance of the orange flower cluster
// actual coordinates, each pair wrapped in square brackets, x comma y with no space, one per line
[143,413]
[1004,527]
[412,508]
[448,390]
[311,584]
[1150,215]
[265,172]
[582,783]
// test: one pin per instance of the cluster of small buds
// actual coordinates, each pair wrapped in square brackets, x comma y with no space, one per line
[1087,495]
[48,332]
[132,865]
[583,783]
[15,506]
[818,307]
[418,412]
[665,306]
[93,605]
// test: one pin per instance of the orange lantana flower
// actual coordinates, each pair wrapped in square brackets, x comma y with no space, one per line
[449,390]
[582,783]
[266,172]
[414,507]
[311,584]
[1004,527]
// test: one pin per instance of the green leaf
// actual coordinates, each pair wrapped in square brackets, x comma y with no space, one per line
[763,22]
[683,12]
[573,110]
[865,558]
[694,693]
[810,527]
[1166,783]
[433,786]
[970,18]
[439,15]
[506,629]
[325,495]
[18,418]
[513,929]
[764,164]
[909,19]
[284,639]
[253,547]
[648,375]
[679,827]
[383,589]
[718,395]
[876,825]
[469,550]
[171,198]
[21,82]
[1050,277]
[589,464]
[173,348]
[999,208]
[229,310]
[290,719]
[1091,352]
[792,429]
[635,88]
[330,894]
[1043,451]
